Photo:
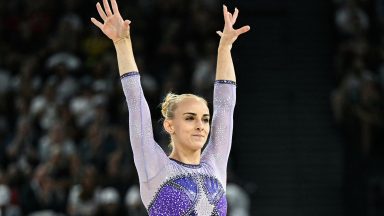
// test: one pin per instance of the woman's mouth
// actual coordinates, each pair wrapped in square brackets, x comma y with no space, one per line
[198,135]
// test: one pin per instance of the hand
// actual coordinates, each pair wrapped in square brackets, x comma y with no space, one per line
[229,34]
[113,26]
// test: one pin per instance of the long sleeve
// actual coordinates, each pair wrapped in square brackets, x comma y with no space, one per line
[149,158]
[217,151]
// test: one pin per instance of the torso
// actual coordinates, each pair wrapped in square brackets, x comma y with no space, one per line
[189,190]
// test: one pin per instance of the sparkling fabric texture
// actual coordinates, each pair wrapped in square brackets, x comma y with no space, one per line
[172,188]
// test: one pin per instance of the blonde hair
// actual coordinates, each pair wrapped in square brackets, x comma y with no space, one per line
[169,104]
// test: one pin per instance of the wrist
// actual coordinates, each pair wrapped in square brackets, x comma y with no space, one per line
[224,47]
[122,43]
[121,40]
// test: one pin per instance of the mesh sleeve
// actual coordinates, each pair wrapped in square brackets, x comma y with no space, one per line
[149,158]
[219,144]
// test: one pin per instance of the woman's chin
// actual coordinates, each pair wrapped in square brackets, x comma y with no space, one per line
[197,145]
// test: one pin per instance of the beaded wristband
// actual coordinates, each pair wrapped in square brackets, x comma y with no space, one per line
[225,82]
[133,73]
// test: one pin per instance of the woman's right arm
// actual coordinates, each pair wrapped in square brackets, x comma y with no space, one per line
[118,30]
[148,156]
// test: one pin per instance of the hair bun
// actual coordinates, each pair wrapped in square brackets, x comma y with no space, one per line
[169,99]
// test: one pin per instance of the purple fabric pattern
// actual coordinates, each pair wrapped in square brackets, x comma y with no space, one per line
[189,186]
[170,201]
[188,190]
[213,188]
[222,206]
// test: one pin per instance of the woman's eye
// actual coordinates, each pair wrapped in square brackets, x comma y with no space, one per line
[189,118]
[206,120]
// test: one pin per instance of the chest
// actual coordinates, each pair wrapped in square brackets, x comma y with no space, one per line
[189,194]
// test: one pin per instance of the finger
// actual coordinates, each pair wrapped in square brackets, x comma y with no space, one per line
[115,8]
[243,29]
[219,33]
[226,16]
[225,11]
[126,23]
[235,15]
[101,11]
[107,8]
[230,15]
[97,23]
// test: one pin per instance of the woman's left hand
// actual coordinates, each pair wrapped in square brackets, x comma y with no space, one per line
[229,34]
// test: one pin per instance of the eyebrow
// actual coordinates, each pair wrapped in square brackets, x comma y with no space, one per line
[194,114]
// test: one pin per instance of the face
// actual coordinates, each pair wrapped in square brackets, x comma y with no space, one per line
[189,128]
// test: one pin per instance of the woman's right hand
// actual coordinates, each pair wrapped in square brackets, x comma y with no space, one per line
[113,26]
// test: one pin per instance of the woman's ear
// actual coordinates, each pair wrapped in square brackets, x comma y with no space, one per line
[167,124]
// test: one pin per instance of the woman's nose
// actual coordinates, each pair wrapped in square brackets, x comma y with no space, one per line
[199,125]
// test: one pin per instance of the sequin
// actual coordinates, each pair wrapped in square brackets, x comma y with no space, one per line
[169,187]
[222,207]
[225,82]
[129,74]
[199,194]
[170,201]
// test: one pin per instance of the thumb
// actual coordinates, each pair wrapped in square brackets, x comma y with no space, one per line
[127,22]
[243,30]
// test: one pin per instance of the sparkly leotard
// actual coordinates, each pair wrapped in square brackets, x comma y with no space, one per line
[172,188]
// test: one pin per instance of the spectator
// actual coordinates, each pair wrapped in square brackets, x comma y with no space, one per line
[133,202]
[41,194]
[358,101]
[82,199]
[109,203]
[56,142]
[44,107]
[23,146]
[351,20]
[6,208]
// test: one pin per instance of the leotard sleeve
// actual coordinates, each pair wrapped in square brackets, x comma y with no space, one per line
[218,147]
[149,157]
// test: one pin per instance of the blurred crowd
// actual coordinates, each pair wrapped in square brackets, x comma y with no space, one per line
[64,138]
[358,102]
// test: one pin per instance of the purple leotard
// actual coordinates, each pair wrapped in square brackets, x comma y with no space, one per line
[172,188]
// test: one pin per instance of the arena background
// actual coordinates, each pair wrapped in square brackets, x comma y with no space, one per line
[308,135]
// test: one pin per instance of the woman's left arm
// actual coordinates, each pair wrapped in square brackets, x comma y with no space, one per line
[219,144]
[225,69]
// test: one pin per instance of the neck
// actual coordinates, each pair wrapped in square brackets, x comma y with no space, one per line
[190,157]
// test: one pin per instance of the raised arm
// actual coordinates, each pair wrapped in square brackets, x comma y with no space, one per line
[224,68]
[224,99]
[148,156]
[118,30]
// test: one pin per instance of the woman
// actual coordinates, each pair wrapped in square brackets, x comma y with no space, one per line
[188,182]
